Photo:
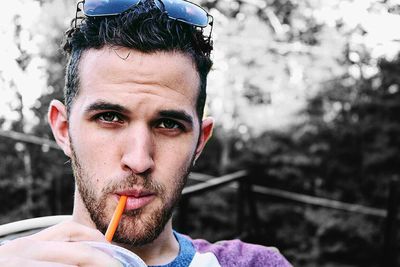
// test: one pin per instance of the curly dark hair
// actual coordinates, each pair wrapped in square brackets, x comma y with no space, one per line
[144,28]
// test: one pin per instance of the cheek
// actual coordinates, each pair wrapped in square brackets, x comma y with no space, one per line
[176,149]
[95,154]
[174,159]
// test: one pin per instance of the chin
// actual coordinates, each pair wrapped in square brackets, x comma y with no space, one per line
[138,229]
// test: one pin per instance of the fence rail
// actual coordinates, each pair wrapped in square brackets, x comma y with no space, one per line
[28,138]
[210,183]
[318,201]
[213,183]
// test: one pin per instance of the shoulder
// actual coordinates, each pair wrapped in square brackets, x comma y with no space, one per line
[238,253]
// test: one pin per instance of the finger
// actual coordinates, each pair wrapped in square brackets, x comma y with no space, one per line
[70,253]
[18,262]
[69,231]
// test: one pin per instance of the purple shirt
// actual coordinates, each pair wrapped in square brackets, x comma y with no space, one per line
[237,253]
[229,253]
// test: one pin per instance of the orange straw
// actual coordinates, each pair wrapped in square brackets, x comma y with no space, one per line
[112,227]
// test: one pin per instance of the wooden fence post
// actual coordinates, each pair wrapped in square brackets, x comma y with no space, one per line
[246,200]
[253,212]
[390,234]
[240,212]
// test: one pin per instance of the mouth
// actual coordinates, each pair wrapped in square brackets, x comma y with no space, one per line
[136,198]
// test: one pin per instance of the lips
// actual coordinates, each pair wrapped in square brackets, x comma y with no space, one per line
[136,198]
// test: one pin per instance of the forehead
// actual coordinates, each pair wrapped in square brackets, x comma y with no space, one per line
[122,72]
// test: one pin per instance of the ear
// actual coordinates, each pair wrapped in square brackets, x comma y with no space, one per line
[58,119]
[205,134]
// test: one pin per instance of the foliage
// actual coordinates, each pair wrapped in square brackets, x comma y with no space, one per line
[35,181]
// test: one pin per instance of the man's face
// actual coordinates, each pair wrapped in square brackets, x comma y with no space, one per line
[133,130]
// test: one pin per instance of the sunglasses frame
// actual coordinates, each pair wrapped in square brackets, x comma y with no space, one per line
[210,18]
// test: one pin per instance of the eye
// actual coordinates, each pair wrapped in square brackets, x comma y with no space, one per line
[110,117]
[169,124]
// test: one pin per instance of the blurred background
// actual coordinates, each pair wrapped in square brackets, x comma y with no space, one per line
[306,153]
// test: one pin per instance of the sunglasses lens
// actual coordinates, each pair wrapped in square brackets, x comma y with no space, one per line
[186,11]
[107,7]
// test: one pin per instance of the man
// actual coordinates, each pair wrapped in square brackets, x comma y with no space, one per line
[132,125]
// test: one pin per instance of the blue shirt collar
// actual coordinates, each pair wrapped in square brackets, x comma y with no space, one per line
[186,252]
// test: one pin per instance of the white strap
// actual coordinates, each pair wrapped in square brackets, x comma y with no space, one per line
[30,224]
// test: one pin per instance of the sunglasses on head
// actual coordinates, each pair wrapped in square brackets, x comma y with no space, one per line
[180,10]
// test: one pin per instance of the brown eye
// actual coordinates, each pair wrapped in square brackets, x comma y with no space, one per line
[169,124]
[109,117]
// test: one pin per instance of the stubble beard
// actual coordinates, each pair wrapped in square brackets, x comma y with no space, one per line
[135,228]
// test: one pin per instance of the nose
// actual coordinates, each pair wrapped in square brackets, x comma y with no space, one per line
[138,149]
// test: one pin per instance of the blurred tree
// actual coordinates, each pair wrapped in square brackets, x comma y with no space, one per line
[32,174]
[50,164]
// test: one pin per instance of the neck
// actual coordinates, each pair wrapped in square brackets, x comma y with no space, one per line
[161,251]
[80,214]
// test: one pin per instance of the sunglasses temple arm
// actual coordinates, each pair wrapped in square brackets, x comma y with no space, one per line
[211,25]
[76,13]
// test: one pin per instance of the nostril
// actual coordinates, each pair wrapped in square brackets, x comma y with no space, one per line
[137,164]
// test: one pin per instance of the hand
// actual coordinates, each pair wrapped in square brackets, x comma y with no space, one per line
[57,246]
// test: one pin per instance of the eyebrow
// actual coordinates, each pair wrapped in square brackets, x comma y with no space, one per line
[102,105]
[171,113]
[177,114]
